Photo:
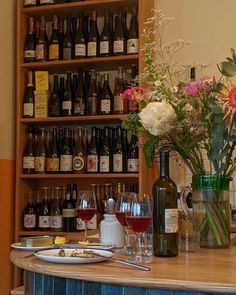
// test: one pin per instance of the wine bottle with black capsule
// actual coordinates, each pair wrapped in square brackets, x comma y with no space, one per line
[93,38]
[79,97]
[106,38]
[119,42]
[165,211]
[30,43]
[133,34]
[67,42]
[54,102]
[80,44]
[67,101]
[61,36]
[42,42]
[92,154]
[29,154]
[28,100]
[68,212]
[66,154]
[54,43]
[106,97]
[133,154]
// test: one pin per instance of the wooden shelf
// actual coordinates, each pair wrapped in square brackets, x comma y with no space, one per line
[111,119]
[84,176]
[101,63]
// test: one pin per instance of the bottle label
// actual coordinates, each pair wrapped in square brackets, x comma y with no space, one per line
[28,109]
[56,222]
[92,49]
[46,1]
[39,164]
[80,50]
[132,46]
[28,162]
[44,221]
[29,2]
[67,105]
[67,53]
[171,221]
[53,164]
[104,47]
[40,51]
[66,163]
[133,165]
[119,46]
[92,104]
[79,106]
[29,220]
[29,54]
[117,162]
[68,213]
[78,163]
[105,105]
[54,51]
[92,163]
[118,104]
[104,163]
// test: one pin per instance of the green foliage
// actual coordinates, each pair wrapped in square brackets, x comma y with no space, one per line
[149,149]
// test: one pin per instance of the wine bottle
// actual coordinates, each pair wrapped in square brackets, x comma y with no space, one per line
[74,84]
[67,43]
[92,95]
[92,154]
[165,212]
[37,29]
[192,74]
[29,155]
[54,103]
[133,160]
[79,97]
[105,157]
[54,44]
[80,39]
[53,154]
[120,105]
[133,38]
[46,2]
[79,156]
[68,212]
[56,212]
[30,44]
[66,154]
[29,3]
[99,83]
[29,214]
[40,156]
[68,97]
[60,1]
[61,88]
[42,42]
[124,23]
[106,99]
[44,212]
[118,153]
[106,38]
[93,39]
[61,37]
[28,100]
[133,104]
[74,193]
[119,42]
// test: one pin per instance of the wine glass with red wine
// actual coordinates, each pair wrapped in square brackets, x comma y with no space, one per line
[86,208]
[139,219]
[121,209]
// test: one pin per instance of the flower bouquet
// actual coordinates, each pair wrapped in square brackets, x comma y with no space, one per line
[195,119]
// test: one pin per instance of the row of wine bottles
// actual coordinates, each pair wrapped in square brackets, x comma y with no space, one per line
[32,3]
[87,93]
[82,40]
[54,208]
[107,151]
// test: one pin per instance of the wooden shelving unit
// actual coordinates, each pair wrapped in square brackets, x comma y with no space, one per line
[24,182]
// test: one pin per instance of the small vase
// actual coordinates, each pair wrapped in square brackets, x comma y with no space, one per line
[211,210]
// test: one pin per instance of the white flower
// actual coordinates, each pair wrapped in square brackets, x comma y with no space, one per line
[157,117]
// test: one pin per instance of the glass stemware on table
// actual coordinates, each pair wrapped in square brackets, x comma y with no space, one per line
[86,208]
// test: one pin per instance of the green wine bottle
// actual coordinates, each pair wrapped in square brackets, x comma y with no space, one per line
[165,212]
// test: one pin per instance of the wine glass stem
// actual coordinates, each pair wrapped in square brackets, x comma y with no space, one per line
[138,257]
[85,231]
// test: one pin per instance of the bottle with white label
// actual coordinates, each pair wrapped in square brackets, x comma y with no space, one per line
[80,49]
[30,43]
[93,39]
[133,38]
[79,156]
[133,161]
[68,212]
[106,97]
[44,212]
[40,156]
[165,212]
[28,100]
[29,214]
[46,2]
[120,105]
[30,3]
[105,157]
[66,154]
[106,37]
[119,42]
[118,153]
[56,211]
[67,101]
[29,155]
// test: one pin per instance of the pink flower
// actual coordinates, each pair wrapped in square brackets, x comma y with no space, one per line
[193,89]
[135,93]
[232,99]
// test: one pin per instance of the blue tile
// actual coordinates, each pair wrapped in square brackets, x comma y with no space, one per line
[38,288]
[59,286]
[134,291]
[91,288]
[184,293]
[29,285]
[73,287]
[158,292]
[47,285]
[108,289]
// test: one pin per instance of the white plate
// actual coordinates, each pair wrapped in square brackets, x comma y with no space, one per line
[20,247]
[52,256]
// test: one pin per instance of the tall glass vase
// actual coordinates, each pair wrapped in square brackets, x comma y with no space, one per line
[211,210]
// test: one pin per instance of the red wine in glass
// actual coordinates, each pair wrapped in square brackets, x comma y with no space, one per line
[85,214]
[138,224]
[121,217]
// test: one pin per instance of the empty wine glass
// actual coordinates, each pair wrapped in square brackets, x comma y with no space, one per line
[139,219]
[86,208]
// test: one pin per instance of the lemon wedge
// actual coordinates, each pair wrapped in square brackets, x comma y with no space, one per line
[84,243]
[60,240]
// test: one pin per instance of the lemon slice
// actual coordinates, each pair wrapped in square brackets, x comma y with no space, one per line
[60,240]
[84,243]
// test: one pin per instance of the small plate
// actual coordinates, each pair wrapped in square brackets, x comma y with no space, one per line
[52,255]
[20,247]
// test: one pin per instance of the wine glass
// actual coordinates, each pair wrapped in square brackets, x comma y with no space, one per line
[139,218]
[121,209]
[86,208]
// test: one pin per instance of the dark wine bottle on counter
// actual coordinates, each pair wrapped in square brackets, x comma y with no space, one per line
[66,154]
[68,212]
[92,95]
[67,42]
[28,100]
[80,39]
[67,98]
[133,38]
[54,102]
[29,214]
[133,160]
[54,44]
[165,212]
[106,98]
[42,42]
[44,212]
[29,155]
[30,43]
[92,154]
[119,43]
[106,38]
[79,97]
[93,39]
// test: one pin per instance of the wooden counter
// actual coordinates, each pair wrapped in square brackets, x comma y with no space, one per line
[204,271]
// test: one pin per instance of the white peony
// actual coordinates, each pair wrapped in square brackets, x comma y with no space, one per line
[157,117]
